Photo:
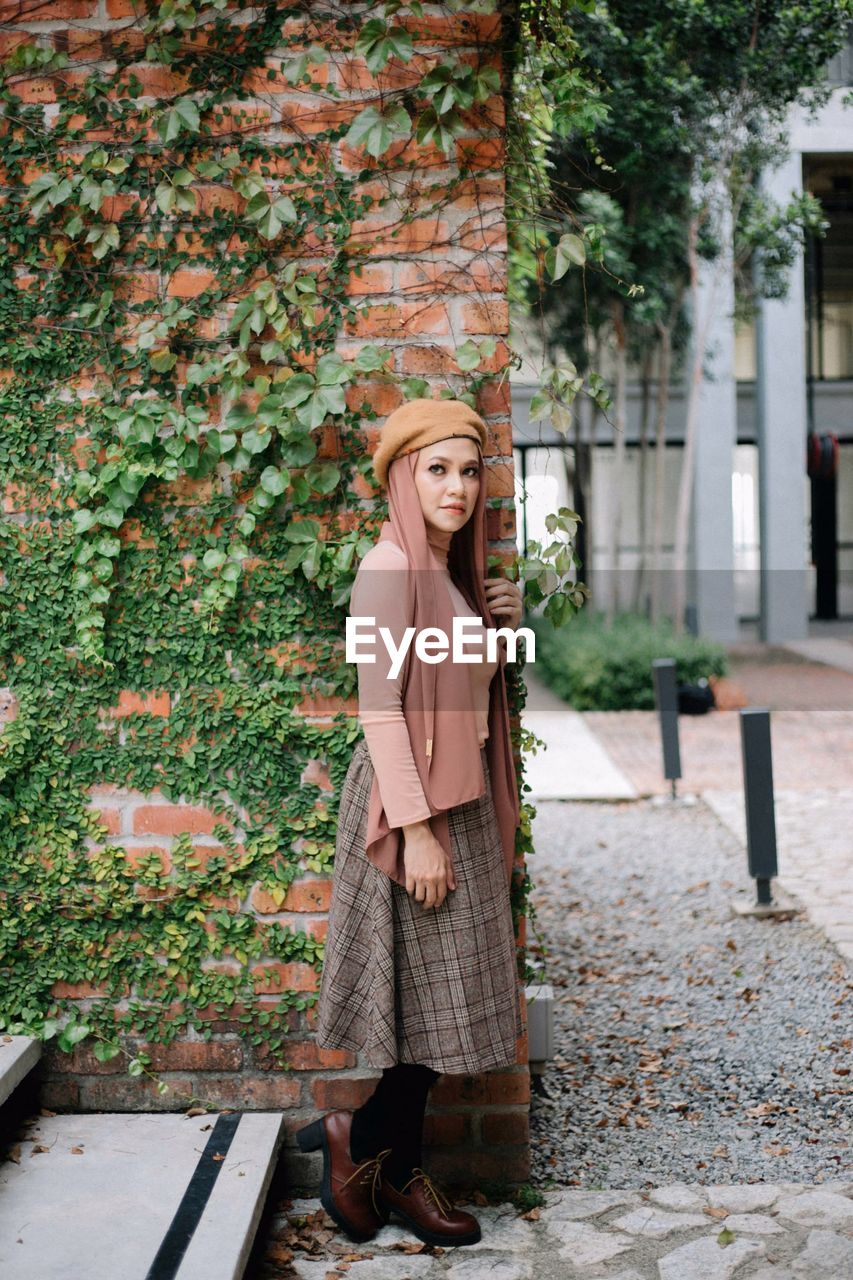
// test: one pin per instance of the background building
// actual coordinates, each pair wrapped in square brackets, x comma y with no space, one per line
[771,544]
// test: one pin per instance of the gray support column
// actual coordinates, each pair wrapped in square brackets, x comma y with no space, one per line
[713,590]
[782,425]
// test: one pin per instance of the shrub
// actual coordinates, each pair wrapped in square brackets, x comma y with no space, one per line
[599,668]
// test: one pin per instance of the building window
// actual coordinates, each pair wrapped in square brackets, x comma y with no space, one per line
[839,70]
[829,269]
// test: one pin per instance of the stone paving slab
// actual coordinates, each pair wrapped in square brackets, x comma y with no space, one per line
[814,837]
[780,1231]
[91,1197]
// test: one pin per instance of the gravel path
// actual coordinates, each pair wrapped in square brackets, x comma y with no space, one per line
[691,1045]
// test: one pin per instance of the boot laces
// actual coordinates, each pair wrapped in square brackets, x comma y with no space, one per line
[369,1173]
[432,1191]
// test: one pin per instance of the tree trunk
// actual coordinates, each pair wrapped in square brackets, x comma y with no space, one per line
[685,484]
[620,418]
[642,478]
[661,404]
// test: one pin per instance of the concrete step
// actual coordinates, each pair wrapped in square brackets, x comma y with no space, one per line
[137,1196]
[18,1056]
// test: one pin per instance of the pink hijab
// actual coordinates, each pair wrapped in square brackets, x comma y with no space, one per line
[454,774]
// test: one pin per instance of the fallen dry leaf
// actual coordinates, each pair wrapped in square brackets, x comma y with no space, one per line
[716,1213]
[532,1215]
[276,1252]
[77,1151]
[762,1109]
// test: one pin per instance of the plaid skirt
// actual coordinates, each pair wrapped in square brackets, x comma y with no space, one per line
[407,984]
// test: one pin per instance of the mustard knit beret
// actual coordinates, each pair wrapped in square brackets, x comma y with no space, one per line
[421,422]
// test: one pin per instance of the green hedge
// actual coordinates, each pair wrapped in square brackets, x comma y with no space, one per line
[599,668]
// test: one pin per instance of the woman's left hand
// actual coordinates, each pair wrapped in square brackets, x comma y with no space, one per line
[504,600]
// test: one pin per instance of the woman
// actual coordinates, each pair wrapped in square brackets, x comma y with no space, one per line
[420,969]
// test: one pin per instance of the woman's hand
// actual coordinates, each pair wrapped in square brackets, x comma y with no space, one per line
[504,600]
[429,874]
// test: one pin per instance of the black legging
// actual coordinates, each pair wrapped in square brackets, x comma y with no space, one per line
[393,1116]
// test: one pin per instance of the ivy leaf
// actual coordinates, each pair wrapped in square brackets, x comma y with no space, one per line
[344,557]
[296,390]
[262,500]
[302,531]
[540,406]
[569,251]
[331,400]
[311,561]
[255,440]
[331,370]
[467,356]
[487,82]
[299,451]
[415,388]
[312,413]
[182,116]
[438,129]
[378,129]
[73,1034]
[370,359]
[323,476]
[83,519]
[377,42]
[103,238]
[275,480]
[221,441]
[448,88]
[104,1051]
[112,517]
[271,215]
[213,559]
[162,360]
[174,194]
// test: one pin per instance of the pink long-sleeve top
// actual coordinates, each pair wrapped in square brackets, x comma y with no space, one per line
[379,592]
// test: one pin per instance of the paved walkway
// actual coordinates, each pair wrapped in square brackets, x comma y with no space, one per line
[812,767]
[757,1232]
[754,1231]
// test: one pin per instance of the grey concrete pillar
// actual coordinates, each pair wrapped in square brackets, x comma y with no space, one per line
[782,426]
[712,579]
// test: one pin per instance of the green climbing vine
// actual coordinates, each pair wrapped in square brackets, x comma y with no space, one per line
[182,437]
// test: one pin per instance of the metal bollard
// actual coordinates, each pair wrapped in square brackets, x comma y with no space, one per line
[666,700]
[758,798]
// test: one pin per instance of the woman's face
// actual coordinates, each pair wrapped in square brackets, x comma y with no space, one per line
[447,478]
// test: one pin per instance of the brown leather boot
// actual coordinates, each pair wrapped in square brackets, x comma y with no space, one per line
[350,1191]
[427,1212]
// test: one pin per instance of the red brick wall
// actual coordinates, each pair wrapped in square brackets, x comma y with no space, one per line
[441,280]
